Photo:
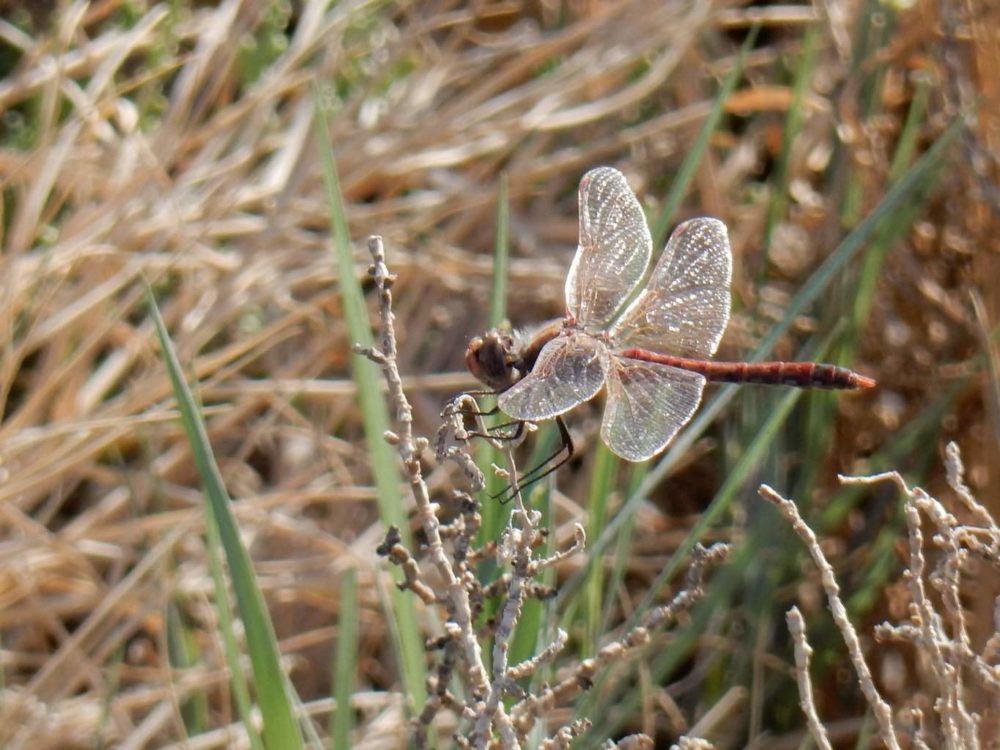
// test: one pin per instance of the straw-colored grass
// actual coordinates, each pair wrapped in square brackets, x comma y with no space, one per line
[178,146]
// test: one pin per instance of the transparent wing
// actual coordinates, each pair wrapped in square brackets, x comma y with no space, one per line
[647,404]
[685,306]
[569,371]
[614,249]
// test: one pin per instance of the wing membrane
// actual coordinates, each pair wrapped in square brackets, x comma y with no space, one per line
[685,306]
[569,370]
[647,404]
[614,249]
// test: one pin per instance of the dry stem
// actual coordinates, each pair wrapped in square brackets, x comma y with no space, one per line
[881,709]
[464,593]
[937,631]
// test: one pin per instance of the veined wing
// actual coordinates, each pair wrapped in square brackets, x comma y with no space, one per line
[569,370]
[614,249]
[685,306]
[647,404]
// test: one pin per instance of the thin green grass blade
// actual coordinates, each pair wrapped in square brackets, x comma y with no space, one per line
[875,258]
[184,654]
[375,415]
[735,482]
[501,257]
[602,482]
[821,418]
[537,622]
[869,39]
[274,695]
[767,559]
[683,640]
[724,589]
[495,516]
[112,686]
[575,611]
[909,138]
[227,631]
[910,444]
[878,567]
[988,356]
[365,374]
[682,180]
[345,669]
[793,126]
[623,549]
[855,303]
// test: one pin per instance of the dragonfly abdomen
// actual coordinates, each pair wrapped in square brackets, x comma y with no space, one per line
[798,374]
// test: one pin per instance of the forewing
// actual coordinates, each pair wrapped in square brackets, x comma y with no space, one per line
[685,306]
[647,404]
[569,370]
[614,249]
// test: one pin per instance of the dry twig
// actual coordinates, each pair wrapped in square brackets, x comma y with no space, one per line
[803,652]
[485,711]
[937,631]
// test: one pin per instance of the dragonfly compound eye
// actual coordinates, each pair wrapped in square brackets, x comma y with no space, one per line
[489,360]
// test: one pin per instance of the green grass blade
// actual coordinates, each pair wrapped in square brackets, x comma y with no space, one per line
[227,631]
[375,415]
[538,621]
[857,296]
[906,192]
[910,444]
[501,257]
[345,668]
[184,654]
[273,690]
[912,128]
[623,549]
[682,180]
[602,482]
[365,373]
[735,482]
[495,516]
[875,258]
[869,39]
[793,126]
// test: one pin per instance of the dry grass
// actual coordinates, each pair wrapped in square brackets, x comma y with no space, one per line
[177,146]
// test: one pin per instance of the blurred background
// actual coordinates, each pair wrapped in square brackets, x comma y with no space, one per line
[850,147]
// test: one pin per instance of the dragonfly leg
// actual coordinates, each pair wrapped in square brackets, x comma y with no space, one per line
[464,405]
[498,431]
[494,432]
[461,404]
[536,474]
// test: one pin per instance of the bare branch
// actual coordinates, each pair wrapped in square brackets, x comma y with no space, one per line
[803,653]
[881,709]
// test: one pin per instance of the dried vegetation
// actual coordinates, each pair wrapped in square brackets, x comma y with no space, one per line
[177,145]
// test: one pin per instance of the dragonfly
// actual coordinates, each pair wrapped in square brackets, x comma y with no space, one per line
[650,350]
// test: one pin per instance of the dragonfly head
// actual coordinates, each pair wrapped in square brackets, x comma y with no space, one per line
[490,358]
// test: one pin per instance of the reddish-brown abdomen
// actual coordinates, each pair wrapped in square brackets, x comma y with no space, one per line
[799,374]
